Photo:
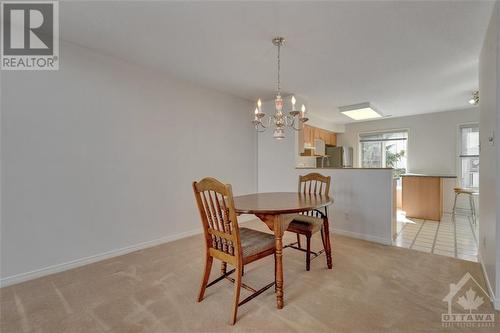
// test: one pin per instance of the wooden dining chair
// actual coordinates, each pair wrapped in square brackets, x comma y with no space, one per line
[310,222]
[227,242]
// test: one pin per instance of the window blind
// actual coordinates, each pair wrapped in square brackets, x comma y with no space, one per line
[383,136]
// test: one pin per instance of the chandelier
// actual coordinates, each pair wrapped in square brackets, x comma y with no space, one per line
[281,119]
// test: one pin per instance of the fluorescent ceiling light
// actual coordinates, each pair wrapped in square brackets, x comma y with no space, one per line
[361,111]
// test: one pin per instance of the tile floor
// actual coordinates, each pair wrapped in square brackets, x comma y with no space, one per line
[452,237]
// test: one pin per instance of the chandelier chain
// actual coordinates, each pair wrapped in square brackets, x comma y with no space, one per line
[279,68]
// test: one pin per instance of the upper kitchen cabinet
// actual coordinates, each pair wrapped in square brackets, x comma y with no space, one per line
[310,133]
[333,139]
[330,138]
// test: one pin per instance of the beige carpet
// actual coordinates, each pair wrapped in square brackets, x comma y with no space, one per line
[372,288]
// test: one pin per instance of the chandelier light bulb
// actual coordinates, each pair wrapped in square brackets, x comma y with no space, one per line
[259,104]
[256,110]
[303,109]
[293,100]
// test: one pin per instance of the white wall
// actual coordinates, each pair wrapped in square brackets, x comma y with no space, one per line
[328,125]
[363,198]
[489,227]
[432,141]
[100,156]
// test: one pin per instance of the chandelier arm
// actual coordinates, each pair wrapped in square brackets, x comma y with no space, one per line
[294,121]
[292,124]
[260,125]
[298,129]
[268,123]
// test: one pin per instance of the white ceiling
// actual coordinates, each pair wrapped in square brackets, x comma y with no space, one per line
[405,57]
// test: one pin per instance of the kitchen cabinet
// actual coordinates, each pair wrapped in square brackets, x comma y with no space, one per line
[310,133]
[332,139]
[321,134]
[422,196]
[316,133]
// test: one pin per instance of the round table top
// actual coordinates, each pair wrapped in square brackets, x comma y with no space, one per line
[279,202]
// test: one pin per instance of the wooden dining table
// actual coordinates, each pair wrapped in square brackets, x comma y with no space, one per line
[277,210]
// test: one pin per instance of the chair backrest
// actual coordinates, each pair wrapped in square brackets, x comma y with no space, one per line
[314,183]
[220,224]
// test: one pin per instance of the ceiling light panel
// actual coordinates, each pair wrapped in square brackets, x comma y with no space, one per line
[362,111]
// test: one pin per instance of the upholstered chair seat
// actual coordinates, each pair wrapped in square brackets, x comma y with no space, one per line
[253,242]
[306,223]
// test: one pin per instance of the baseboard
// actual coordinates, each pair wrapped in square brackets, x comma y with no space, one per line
[494,300]
[18,278]
[366,237]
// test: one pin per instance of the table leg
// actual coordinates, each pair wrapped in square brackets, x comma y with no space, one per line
[328,248]
[278,234]
[278,223]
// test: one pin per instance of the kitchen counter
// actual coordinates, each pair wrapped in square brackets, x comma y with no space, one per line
[427,175]
[363,206]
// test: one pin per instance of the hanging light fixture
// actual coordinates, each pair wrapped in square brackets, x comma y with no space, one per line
[281,119]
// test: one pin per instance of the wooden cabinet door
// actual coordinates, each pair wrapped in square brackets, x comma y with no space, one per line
[315,133]
[324,135]
[312,133]
[319,133]
[307,134]
[422,197]
[333,139]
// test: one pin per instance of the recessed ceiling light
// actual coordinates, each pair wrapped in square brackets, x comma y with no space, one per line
[362,111]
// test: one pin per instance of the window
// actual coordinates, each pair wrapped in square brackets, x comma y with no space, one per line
[469,156]
[384,150]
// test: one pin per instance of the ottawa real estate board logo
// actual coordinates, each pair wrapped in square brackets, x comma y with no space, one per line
[467,308]
[30,35]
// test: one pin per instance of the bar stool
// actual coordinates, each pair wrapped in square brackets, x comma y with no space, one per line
[470,192]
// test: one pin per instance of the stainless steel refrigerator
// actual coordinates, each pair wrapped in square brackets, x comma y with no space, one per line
[339,157]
